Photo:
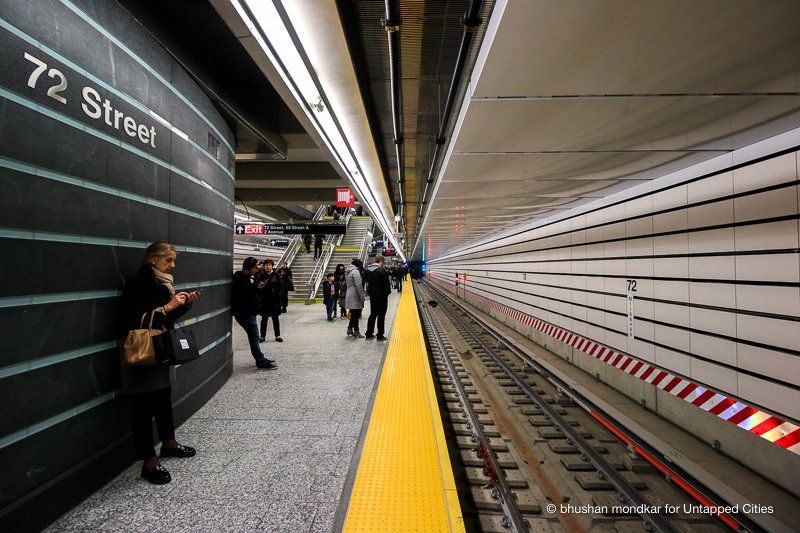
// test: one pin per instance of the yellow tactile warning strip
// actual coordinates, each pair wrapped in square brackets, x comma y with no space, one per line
[404,480]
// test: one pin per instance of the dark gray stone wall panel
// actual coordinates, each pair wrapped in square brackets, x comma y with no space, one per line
[61,327]
[44,205]
[192,374]
[54,267]
[69,240]
[192,231]
[48,391]
[80,155]
[185,193]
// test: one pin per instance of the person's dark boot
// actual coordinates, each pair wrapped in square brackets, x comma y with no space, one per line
[357,334]
[349,330]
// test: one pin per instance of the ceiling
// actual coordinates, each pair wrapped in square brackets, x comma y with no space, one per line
[572,101]
[429,35]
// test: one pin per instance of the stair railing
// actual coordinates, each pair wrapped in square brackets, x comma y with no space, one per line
[294,246]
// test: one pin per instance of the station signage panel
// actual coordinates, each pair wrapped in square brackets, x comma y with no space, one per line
[327,228]
[345,197]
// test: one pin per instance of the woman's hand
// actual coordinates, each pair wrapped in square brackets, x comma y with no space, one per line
[178,300]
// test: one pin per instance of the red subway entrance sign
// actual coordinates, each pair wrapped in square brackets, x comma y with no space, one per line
[345,198]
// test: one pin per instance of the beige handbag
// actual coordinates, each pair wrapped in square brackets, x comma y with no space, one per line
[138,349]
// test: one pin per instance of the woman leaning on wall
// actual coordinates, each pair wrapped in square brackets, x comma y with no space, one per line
[149,388]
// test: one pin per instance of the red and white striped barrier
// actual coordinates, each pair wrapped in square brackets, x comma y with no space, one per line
[768,427]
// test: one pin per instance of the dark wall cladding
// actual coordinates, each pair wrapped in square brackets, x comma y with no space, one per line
[103,149]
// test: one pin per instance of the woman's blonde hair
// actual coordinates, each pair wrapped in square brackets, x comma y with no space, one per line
[156,250]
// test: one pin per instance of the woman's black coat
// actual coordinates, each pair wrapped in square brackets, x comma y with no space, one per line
[142,294]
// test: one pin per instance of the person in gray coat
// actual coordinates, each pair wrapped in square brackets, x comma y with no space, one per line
[354,299]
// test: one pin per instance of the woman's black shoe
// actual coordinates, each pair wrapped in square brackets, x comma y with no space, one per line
[158,475]
[179,451]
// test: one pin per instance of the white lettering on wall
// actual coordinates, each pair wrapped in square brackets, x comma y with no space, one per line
[94,106]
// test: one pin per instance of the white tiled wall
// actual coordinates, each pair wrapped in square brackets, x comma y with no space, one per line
[743,308]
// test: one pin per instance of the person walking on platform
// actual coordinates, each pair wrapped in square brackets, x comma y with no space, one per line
[379,288]
[341,289]
[246,302]
[271,299]
[318,238]
[307,242]
[354,299]
[149,388]
[285,274]
[330,296]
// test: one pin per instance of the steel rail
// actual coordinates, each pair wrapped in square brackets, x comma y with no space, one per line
[512,518]
[626,492]
[673,473]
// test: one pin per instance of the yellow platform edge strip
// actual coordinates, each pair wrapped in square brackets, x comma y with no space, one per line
[404,480]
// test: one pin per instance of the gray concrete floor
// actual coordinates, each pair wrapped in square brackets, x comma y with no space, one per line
[274,447]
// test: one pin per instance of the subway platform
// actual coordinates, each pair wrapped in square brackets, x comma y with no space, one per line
[275,448]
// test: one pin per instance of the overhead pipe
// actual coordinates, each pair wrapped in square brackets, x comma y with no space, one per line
[391,24]
[470,23]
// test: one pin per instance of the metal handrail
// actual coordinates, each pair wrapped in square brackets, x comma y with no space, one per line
[294,246]
[364,250]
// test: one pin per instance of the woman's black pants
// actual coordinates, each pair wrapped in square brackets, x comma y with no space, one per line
[355,315]
[146,405]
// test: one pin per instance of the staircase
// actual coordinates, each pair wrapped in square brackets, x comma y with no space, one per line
[302,267]
[351,245]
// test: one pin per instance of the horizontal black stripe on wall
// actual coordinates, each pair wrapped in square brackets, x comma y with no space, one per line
[624,333]
[49,22]
[493,253]
[643,319]
[475,266]
[460,253]
[53,267]
[472,275]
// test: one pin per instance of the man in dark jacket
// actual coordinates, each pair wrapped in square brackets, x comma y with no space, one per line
[307,242]
[285,273]
[271,299]
[318,245]
[246,303]
[330,295]
[379,288]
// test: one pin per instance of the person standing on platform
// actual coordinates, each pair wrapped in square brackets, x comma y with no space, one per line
[330,296]
[399,276]
[149,388]
[307,242]
[246,303]
[285,274]
[271,300]
[354,299]
[379,288]
[341,289]
[318,238]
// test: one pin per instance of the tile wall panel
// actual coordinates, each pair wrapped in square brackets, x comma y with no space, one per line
[715,261]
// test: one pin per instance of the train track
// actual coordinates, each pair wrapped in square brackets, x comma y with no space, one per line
[536,455]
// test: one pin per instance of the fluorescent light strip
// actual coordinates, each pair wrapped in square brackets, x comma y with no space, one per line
[293,70]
